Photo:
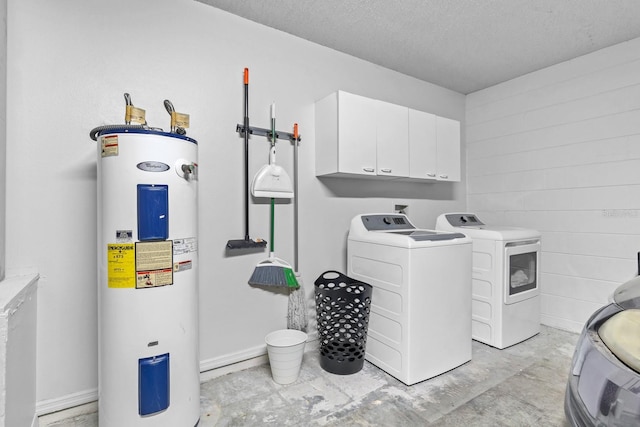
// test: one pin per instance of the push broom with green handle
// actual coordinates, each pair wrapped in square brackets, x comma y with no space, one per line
[273,271]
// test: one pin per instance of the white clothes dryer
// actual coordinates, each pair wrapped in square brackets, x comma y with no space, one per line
[420,319]
[505,279]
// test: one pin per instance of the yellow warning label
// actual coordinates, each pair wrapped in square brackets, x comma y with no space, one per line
[109,145]
[121,265]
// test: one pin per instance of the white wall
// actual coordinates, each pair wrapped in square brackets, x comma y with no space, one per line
[558,150]
[3,130]
[70,61]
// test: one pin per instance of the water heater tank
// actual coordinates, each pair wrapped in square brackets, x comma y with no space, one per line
[148,279]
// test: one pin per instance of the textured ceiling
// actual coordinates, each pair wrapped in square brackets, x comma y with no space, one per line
[464,45]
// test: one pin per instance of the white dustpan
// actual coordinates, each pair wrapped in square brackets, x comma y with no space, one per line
[272,180]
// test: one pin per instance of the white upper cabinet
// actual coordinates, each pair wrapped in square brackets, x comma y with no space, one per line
[359,136]
[392,139]
[448,138]
[345,135]
[423,163]
[434,147]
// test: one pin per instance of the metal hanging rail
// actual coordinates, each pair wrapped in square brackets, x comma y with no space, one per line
[267,133]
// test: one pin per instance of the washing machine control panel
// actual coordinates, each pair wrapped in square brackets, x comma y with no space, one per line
[386,222]
[463,220]
[400,226]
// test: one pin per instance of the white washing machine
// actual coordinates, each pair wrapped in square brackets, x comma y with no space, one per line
[420,319]
[505,279]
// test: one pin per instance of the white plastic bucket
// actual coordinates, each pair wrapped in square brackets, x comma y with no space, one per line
[285,348]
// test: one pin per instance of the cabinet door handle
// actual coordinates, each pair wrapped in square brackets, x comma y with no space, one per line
[368,169]
[444,176]
[431,175]
[385,170]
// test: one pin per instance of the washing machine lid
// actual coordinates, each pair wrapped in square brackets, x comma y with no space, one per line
[430,235]
[397,230]
[471,225]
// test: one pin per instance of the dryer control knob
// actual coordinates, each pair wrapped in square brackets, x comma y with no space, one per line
[386,220]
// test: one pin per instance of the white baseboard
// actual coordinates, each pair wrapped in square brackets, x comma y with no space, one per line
[564,324]
[233,358]
[209,374]
[57,418]
[235,362]
[65,402]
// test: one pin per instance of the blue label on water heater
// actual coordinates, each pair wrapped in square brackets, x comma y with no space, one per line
[153,212]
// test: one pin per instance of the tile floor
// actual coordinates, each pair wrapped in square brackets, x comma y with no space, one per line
[519,386]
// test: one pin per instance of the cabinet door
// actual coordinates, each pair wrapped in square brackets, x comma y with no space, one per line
[356,134]
[392,139]
[448,135]
[422,145]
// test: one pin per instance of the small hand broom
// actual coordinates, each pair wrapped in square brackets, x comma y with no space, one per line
[273,271]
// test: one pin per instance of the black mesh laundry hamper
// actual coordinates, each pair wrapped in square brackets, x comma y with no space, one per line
[342,307]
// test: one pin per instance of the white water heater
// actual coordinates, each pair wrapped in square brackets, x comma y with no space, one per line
[149,371]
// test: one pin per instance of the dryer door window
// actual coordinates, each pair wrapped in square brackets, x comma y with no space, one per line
[521,273]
